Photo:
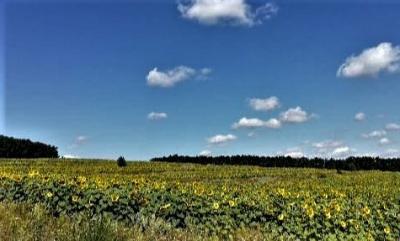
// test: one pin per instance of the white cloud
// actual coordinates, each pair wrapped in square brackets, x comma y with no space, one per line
[341,152]
[157,115]
[392,127]
[327,144]
[332,149]
[294,115]
[169,78]
[255,122]
[205,153]
[384,141]
[375,134]
[267,104]
[234,12]
[382,58]
[81,139]
[69,156]
[360,116]
[220,139]
[273,123]
[294,154]
[248,123]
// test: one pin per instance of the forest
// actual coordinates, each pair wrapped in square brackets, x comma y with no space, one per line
[11,147]
[350,163]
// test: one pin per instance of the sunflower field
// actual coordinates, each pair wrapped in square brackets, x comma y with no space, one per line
[303,204]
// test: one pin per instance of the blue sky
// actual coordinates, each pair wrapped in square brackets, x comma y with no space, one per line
[150,78]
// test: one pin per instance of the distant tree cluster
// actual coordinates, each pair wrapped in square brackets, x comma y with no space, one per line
[24,148]
[351,163]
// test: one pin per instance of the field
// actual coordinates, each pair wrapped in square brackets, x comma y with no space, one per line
[76,200]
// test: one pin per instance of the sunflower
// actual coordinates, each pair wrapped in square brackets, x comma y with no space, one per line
[216,205]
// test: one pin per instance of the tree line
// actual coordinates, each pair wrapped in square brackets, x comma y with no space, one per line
[350,163]
[11,147]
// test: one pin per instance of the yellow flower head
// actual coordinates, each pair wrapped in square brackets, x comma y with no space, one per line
[343,224]
[33,173]
[75,198]
[328,215]
[281,217]
[310,212]
[231,203]
[366,211]
[49,194]
[216,205]
[387,229]
[114,198]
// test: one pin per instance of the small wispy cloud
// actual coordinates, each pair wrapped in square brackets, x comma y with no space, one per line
[157,115]
[384,141]
[255,123]
[360,116]
[392,127]
[205,153]
[169,78]
[220,139]
[374,134]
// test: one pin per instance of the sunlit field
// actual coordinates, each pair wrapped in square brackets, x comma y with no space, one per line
[147,201]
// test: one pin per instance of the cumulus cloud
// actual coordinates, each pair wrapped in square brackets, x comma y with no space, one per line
[294,152]
[248,123]
[375,134]
[384,141]
[382,58]
[273,123]
[360,116]
[295,115]
[267,104]
[220,139]
[205,153]
[171,77]
[255,122]
[233,12]
[332,149]
[342,152]
[157,115]
[392,127]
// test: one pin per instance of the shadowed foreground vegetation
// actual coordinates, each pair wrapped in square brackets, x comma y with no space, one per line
[79,199]
[23,222]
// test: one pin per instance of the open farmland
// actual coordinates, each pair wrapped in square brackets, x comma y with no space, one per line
[211,201]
